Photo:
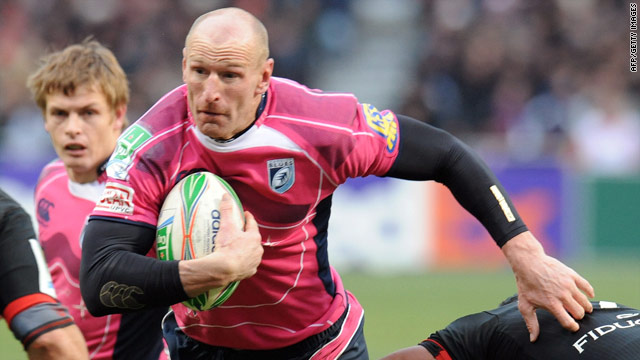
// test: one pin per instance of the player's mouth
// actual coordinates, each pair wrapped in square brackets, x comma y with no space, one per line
[75,149]
[210,114]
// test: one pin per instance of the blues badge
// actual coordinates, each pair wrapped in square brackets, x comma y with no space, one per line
[282,174]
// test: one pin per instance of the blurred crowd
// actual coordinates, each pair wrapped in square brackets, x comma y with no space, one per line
[536,79]
[546,79]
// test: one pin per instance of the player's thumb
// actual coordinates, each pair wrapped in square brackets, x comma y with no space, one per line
[250,223]
[530,319]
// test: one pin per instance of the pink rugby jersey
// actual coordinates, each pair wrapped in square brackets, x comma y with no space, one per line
[62,209]
[284,169]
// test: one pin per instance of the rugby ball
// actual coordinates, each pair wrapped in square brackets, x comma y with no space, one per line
[188,225]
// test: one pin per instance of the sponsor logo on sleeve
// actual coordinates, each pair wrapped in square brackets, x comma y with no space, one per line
[123,296]
[43,210]
[116,198]
[382,123]
[120,162]
[282,174]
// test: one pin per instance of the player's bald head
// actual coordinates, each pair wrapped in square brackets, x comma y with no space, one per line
[231,25]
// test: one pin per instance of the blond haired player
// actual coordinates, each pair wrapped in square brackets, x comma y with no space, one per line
[83,94]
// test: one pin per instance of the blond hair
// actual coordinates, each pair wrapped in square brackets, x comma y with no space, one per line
[85,64]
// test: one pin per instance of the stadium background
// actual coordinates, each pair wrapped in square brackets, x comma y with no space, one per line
[542,90]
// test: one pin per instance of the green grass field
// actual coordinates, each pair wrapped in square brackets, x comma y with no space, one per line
[402,310]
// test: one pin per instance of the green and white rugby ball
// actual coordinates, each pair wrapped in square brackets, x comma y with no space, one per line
[188,225]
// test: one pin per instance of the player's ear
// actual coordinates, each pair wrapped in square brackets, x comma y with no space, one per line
[45,111]
[266,71]
[47,123]
[120,121]
[184,64]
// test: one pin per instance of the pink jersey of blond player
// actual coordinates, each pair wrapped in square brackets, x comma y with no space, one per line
[63,208]
[284,170]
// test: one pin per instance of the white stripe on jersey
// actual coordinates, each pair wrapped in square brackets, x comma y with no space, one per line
[293,286]
[44,277]
[319,124]
[319,93]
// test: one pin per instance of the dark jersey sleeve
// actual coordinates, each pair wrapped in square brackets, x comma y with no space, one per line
[467,338]
[29,312]
[18,268]
[114,268]
[429,153]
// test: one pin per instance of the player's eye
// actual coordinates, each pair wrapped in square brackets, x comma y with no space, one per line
[58,113]
[229,75]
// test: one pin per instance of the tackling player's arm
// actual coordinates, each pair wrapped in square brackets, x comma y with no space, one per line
[116,275]
[428,153]
[37,320]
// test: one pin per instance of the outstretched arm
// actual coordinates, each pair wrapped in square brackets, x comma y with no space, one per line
[428,153]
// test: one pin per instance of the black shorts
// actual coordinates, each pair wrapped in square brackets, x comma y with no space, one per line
[182,347]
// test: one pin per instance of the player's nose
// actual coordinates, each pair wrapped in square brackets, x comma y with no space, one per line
[73,124]
[211,89]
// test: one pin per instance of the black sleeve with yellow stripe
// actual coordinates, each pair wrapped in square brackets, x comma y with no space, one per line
[429,153]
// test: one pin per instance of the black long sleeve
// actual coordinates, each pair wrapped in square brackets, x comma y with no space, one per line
[429,153]
[114,270]
[18,267]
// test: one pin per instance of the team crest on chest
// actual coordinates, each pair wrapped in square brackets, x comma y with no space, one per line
[282,174]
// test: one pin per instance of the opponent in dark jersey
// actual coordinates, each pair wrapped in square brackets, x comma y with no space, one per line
[27,298]
[284,148]
[611,332]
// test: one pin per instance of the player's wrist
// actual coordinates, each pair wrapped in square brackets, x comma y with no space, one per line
[200,275]
[522,245]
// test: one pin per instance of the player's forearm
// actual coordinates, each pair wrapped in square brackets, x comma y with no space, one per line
[64,343]
[428,153]
[117,277]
